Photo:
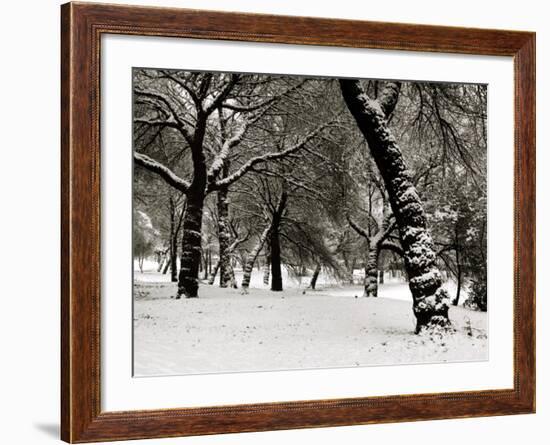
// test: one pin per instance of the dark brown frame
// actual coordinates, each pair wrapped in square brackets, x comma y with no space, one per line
[81,27]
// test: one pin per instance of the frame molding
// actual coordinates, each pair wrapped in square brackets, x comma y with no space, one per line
[82,25]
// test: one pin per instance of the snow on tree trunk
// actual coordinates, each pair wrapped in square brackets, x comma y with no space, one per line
[267,267]
[376,243]
[252,258]
[188,281]
[226,270]
[430,300]
[315,276]
[214,273]
[371,272]
[232,280]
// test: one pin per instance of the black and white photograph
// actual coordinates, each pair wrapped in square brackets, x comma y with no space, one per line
[286,222]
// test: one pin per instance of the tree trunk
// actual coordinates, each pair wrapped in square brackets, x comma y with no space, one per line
[173,242]
[252,258]
[276,273]
[430,300]
[232,279]
[205,265]
[226,271]
[161,261]
[267,267]
[188,282]
[371,273]
[315,276]
[214,273]
[174,259]
[166,266]
[381,272]
[458,276]
[275,244]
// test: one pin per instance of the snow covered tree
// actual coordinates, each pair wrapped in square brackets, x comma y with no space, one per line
[430,300]
[184,104]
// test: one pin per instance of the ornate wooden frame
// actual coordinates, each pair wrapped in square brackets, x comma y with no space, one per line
[81,27]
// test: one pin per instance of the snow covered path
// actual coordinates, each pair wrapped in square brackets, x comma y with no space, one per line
[224,331]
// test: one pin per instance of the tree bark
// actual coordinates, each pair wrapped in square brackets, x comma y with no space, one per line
[252,258]
[430,300]
[226,270]
[275,244]
[188,281]
[371,272]
[276,273]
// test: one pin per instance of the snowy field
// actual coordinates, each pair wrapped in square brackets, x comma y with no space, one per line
[225,331]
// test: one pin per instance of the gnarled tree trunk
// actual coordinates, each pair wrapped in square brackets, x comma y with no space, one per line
[430,300]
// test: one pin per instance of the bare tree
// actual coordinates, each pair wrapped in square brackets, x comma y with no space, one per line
[184,103]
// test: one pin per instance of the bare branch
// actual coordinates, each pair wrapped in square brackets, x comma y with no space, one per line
[360,230]
[247,166]
[257,106]
[228,144]
[181,125]
[152,122]
[217,101]
[164,172]
[388,225]
[186,87]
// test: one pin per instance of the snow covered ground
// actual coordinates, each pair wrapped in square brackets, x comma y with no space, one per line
[225,331]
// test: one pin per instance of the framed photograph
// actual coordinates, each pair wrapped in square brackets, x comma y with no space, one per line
[274,222]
